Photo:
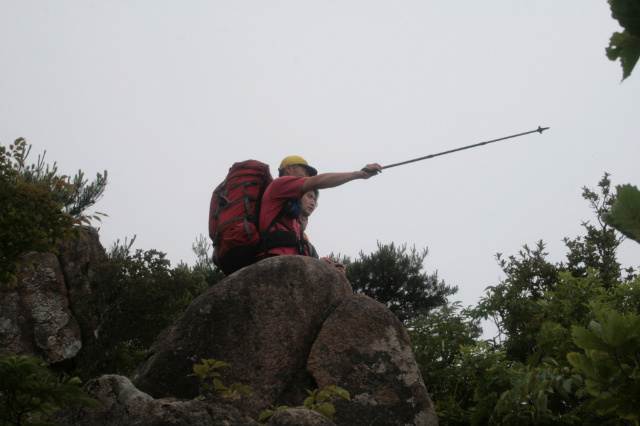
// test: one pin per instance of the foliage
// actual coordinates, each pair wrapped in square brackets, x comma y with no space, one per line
[209,381]
[136,295]
[567,304]
[541,394]
[74,197]
[30,393]
[204,262]
[625,212]
[597,249]
[437,339]
[322,401]
[525,376]
[625,45]
[31,218]
[318,401]
[512,304]
[610,364]
[394,277]
[463,376]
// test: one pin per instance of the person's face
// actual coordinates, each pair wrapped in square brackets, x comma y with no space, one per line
[297,171]
[309,203]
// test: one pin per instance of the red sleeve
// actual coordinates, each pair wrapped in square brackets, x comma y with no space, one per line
[276,196]
[287,187]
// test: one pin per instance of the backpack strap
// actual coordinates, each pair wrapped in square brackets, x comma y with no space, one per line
[270,239]
[247,199]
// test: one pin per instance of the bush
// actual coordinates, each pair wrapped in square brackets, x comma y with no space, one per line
[30,393]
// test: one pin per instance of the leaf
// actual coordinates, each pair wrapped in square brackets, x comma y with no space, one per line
[266,414]
[626,47]
[217,384]
[627,13]
[625,212]
[343,393]
[582,363]
[308,403]
[588,339]
[326,410]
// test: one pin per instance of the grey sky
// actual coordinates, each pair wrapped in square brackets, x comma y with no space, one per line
[167,95]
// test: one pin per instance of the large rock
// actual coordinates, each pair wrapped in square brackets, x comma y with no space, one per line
[79,258]
[48,313]
[34,315]
[262,320]
[288,324]
[285,325]
[365,349]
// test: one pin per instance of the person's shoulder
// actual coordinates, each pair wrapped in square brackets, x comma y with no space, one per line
[287,180]
[283,179]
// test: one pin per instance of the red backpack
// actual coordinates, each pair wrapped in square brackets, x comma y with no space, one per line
[234,214]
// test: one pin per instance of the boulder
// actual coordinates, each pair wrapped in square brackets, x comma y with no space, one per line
[365,349]
[290,324]
[35,318]
[285,325]
[262,320]
[79,258]
[47,314]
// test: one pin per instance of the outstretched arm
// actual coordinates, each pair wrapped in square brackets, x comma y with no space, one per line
[331,180]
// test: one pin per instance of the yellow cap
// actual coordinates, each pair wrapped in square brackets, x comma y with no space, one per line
[296,160]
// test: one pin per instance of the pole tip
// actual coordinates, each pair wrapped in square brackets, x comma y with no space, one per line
[541,129]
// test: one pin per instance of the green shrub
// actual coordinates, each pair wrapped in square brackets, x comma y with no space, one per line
[30,392]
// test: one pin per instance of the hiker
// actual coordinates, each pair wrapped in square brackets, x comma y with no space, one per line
[281,203]
[309,204]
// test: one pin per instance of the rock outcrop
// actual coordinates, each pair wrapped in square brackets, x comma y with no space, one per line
[35,317]
[285,325]
[79,260]
[363,347]
[46,314]
[262,320]
[288,324]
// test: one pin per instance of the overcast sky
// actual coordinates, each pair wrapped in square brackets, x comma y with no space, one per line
[167,95]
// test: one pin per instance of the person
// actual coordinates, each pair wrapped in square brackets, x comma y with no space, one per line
[281,203]
[309,204]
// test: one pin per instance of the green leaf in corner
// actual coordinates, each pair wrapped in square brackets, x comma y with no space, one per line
[625,212]
[626,47]
[326,410]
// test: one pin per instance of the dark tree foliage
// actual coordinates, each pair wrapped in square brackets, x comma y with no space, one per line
[567,349]
[75,197]
[38,207]
[204,263]
[136,296]
[625,45]
[597,249]
[437,339]
[394,277]
[625,212]
[513,305]
[30,393]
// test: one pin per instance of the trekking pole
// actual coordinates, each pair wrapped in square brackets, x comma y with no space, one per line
[539,130]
